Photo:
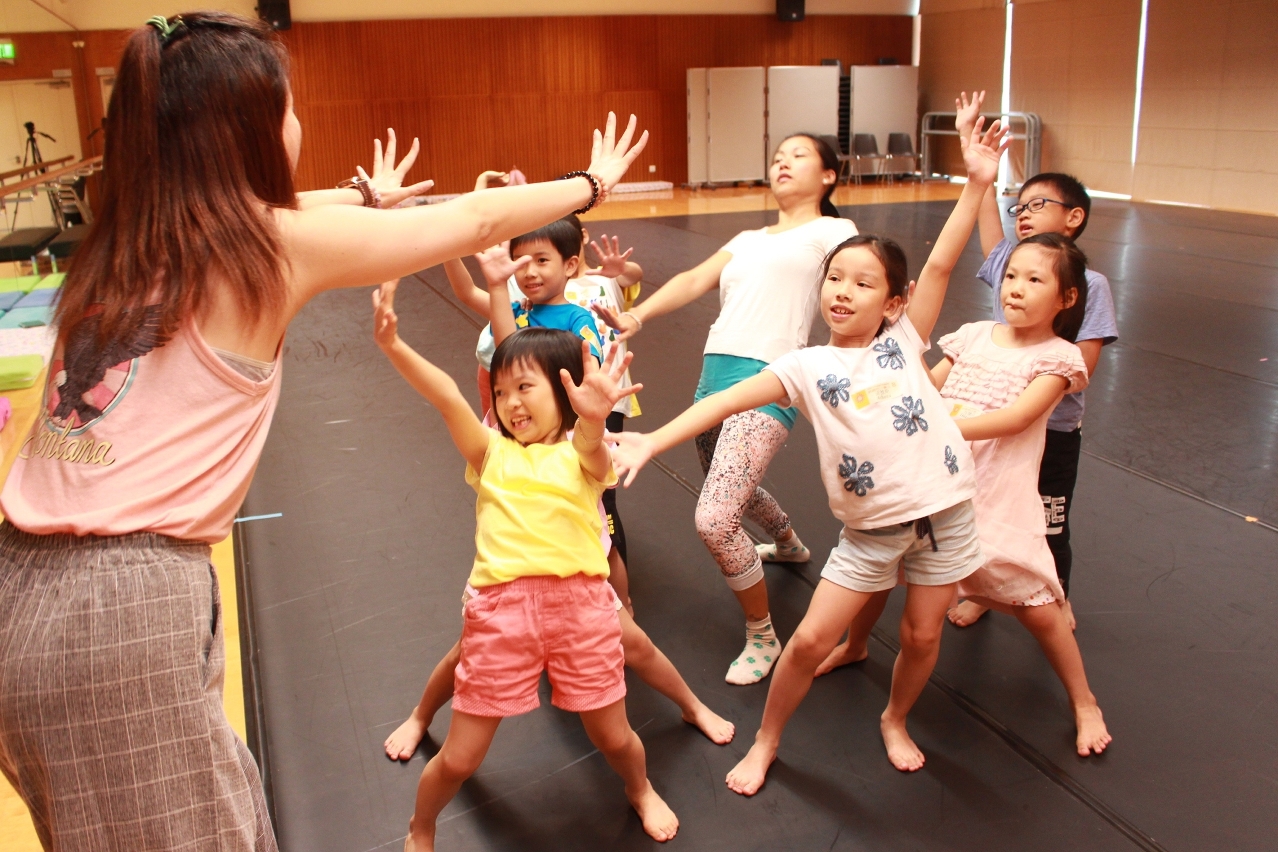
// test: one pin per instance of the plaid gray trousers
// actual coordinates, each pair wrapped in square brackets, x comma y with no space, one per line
[111,721]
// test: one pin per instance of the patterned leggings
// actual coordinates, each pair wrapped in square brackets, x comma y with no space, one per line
[735,455]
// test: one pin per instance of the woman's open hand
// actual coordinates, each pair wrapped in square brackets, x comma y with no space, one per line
[610,157]
[623,323]
[388,178]
[631,452]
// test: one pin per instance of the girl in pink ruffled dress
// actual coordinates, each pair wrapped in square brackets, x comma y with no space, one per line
[1002,382]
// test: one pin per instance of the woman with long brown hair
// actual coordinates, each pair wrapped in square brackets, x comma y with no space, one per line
[160,395]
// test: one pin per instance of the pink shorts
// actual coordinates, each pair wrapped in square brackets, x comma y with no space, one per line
[511,632]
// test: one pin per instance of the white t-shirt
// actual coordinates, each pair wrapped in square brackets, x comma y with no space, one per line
[770,291]
[889,451]
[596,290]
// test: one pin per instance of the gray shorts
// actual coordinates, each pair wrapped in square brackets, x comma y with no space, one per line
[872,560]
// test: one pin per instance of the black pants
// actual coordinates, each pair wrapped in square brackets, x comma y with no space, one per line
[616,422]
[1056,477]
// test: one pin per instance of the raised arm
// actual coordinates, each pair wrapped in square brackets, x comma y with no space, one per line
[634,449]
[615,263]
[342,246]
[439,389]
[593,400]
[674,294]
[498,267]
[981,154]
[464,287]
[1038,398]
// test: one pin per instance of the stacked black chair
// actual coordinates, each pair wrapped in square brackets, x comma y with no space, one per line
[26,244]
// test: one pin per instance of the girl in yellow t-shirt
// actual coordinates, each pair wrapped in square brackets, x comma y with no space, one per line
[538,596]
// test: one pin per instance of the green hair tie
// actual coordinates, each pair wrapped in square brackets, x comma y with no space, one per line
[167,30]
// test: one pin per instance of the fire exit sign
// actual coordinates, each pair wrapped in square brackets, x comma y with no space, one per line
[8,53]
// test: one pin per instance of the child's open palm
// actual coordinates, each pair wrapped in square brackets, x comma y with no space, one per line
[982,151]
[965,112]
[385,323]
[612,260]
[497,266]
[600,387]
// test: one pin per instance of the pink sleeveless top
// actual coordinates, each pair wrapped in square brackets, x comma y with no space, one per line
[141,437]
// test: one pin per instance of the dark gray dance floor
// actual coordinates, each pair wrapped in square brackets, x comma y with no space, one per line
[353,592]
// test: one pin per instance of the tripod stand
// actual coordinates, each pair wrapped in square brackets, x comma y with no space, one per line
[31,153]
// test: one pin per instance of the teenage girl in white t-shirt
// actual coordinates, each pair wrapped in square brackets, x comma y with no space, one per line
[895,466]
[769,282]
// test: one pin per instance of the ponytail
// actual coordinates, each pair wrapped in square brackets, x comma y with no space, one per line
[830,161]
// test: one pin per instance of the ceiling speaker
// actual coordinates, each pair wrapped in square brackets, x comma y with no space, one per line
[790,11]
[276,13]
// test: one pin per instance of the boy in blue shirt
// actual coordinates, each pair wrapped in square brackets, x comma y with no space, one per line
[542,261]
[1058,204]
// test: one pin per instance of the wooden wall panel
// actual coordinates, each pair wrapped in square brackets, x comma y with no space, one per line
[961,50]
[499,92]
[526,92]
[1209,118]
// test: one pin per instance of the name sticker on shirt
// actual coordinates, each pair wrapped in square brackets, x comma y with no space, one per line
[963,410]
[877,393]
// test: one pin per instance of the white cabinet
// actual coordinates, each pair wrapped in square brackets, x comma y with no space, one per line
[735,107]
[802,99]
[885,99]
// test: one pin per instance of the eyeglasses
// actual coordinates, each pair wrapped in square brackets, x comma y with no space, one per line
[1036,204]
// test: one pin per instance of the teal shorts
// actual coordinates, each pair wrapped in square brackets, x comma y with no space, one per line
[720,372]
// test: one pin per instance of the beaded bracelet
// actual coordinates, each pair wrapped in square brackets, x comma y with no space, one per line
[596,189]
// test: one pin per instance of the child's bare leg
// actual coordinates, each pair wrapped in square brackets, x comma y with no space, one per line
[464,748]
[856,647]
[1048,625]
[831,608]
[619,577]
[966,613]
[403,741]
[656,670]
[610,731]
[920,643]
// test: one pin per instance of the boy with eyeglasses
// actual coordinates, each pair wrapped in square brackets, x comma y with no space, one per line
[1049,203]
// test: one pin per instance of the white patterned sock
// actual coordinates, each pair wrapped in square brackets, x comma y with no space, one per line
[758,657]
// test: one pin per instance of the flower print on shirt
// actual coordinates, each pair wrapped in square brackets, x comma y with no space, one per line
[833,389]
[892,356]
[856,479]
[951,461]
[909,416]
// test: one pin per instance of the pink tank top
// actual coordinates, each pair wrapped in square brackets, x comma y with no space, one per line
[141,437]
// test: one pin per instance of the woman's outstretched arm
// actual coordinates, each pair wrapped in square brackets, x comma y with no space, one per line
[674,294]
[341,246]
[634,449]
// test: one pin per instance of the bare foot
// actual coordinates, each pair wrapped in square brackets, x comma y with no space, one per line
[403,742]
[718,729]
[843,655]
[1069,614]
[658,820]
[748,776]
[1093,736]
[966,614]
[901,750]
[419,842]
